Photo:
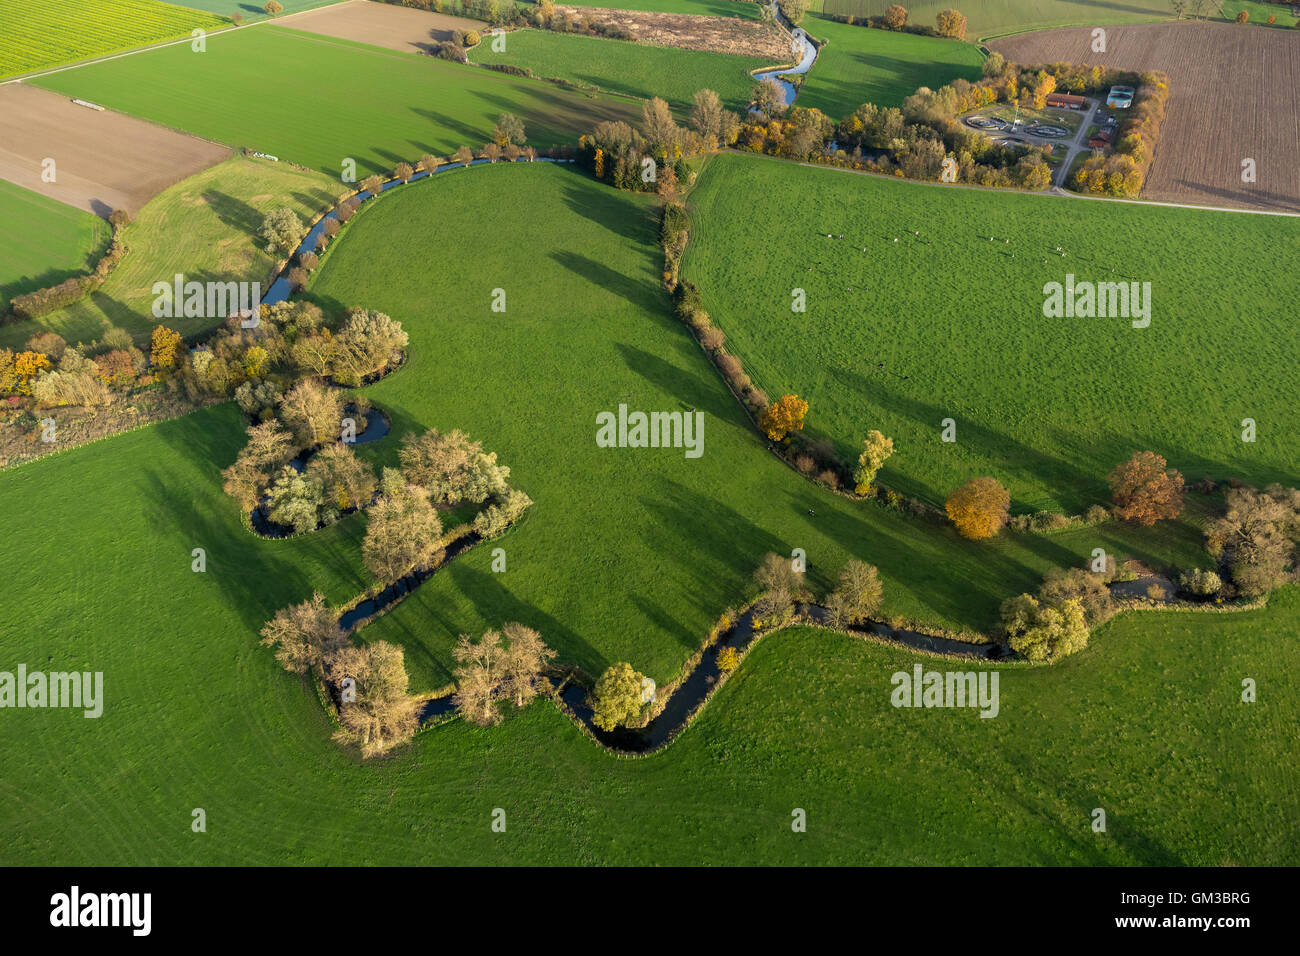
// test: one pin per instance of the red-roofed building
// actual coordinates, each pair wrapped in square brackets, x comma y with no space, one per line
[1066,101]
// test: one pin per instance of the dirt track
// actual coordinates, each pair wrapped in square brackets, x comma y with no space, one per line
[104,160]
[1233,97]
[381,24]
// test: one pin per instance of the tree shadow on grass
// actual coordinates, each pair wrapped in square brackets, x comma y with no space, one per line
[497,605]
[234,212]
[697,390]
[470,136]
[617,212]
[606,278]
[254,581]
[987,443]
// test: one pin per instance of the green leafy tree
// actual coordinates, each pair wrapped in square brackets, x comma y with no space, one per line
[1042,632]
[617,697]
[282,230]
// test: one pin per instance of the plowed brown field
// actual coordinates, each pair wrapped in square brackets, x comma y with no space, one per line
[382,24]
[103,160]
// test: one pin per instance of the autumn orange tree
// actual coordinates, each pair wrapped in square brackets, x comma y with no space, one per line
[951,23]
[27,367]
[979,508]
[782,417]
[1145,489]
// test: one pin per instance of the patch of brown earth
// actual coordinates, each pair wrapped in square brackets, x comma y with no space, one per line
[690,32]
[103,160]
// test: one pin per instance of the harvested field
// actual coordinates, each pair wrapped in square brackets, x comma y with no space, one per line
[1233,98]
[104,160]
[384,25]
[690,32]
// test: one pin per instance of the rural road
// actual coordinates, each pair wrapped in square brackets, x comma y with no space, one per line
[1079,142]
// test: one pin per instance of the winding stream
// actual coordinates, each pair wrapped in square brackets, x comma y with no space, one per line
[691,694]
[800,44]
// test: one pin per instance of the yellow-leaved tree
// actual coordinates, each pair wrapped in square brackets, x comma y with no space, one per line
[979,508]
[782,417]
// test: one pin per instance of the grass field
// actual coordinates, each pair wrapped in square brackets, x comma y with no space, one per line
[948,324]
[1146,723]
[379,107]
[1259,12]
[250,10]
[634,69]
[35,35]
[860,65]
[204,227]
[44,242]
[622,556]
[997,17]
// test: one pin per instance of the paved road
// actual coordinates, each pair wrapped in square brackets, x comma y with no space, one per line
[1079,142]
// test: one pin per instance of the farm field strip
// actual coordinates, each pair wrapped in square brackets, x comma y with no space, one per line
[633,69]
[34,34]
[429,105]
[406,29]
[989,18]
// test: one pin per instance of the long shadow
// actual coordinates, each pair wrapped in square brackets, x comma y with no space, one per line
[602,275]
[497,604]
[986,441]
[233,212]
[694,388]
[614,212]
[470,135]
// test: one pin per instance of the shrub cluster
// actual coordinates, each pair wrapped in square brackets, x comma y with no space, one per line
[40,302]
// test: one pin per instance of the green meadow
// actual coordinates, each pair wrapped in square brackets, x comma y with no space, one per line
[204,227]
[631,68]
[1146,723]
[989,18]
[946,323]
[55,242]
[860,65]
[318,100]
[626,555]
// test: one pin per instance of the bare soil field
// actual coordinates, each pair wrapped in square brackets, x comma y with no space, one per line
[381,24]
[690,32]
[1234,98]
[103,160]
